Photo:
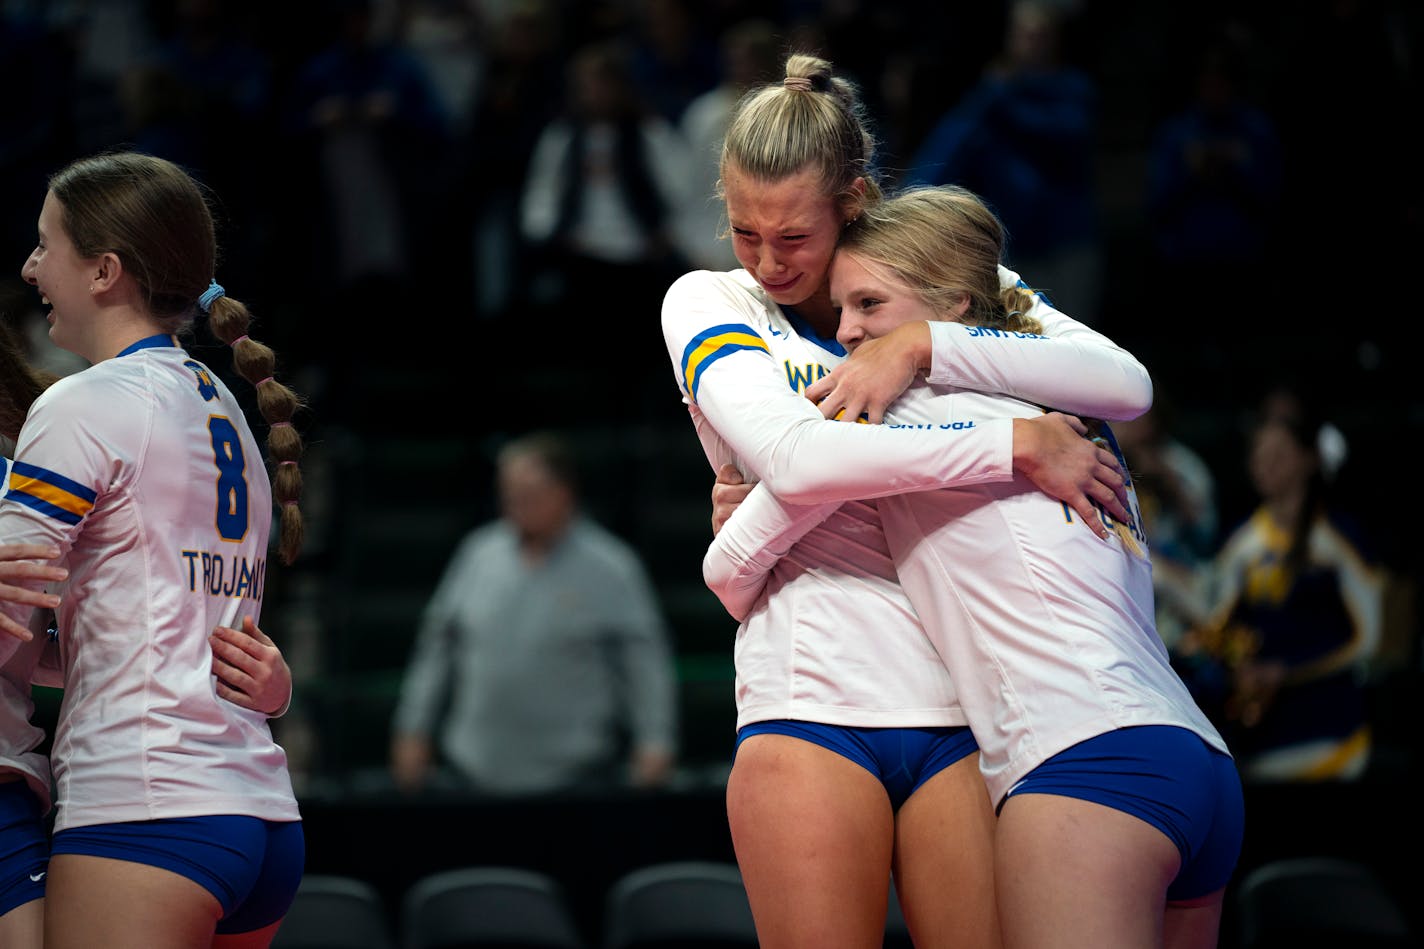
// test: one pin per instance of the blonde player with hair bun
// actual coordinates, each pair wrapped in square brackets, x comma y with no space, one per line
[853,760]
[1119,806]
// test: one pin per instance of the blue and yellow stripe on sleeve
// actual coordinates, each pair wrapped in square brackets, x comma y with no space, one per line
[711,345]
[51,494]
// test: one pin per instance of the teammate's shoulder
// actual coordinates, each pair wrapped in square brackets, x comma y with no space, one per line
[697,284]
[90,385]
[113,382]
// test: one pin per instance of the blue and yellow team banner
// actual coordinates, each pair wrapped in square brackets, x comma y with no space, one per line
[51,494]
[711,345]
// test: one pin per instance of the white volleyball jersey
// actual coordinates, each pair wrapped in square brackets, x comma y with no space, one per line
[19,737]
[1047,629]
[838,643]
[143,471]
[838,638]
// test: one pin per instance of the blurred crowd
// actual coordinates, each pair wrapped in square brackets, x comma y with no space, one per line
[418,188]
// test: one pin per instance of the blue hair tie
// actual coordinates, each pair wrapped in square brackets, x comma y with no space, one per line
[215,290]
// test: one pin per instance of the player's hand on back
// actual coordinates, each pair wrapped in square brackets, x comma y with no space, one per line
[1053,452]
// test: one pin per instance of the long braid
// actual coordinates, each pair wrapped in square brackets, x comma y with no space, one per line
[255,361]
[155,217]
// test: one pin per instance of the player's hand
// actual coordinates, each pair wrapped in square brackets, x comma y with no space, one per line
[1256,686]
[1054,453]
[22,574]
[250,669]
[411,761]
[650,767]
[728,491]
[877,371]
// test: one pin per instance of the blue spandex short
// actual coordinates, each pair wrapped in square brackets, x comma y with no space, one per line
[252,866]
[1168,777]
[901,758]
[24,846]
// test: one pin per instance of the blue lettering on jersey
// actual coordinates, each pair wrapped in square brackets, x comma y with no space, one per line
[933,426]
[800,378]
[225,575]
[1130,531]
[1004,334]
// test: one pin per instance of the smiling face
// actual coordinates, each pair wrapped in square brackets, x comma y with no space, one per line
[873,300]
[62,276]
[784,233]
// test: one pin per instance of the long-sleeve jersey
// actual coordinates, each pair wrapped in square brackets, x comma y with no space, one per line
[142,470]
[834,639]
[1047,630]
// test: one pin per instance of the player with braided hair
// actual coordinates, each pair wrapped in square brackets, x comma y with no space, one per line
[249,670]
[176,823]
[255,361]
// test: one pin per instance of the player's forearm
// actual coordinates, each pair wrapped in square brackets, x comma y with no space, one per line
[757,535]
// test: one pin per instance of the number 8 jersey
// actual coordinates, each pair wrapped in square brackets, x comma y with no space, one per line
[143,470]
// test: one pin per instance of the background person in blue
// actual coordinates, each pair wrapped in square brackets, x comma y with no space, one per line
[1022,138]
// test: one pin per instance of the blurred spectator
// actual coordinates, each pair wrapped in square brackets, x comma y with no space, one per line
[606,186]
[1023,138]
[105,39]
[673,56]
[521,92]
[1297,611]
[447,37]
[369,119]
[1214,182]
[1176,491]
[909,60]
[202,87]
[602,212]
[450,39]
[546,637]
[207,49]
[751,54]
